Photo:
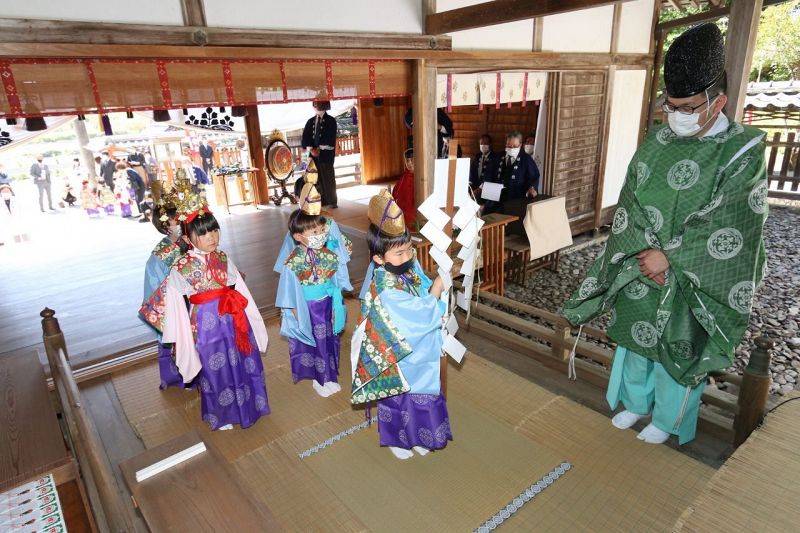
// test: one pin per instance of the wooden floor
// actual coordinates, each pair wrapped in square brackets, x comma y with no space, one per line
[91,272]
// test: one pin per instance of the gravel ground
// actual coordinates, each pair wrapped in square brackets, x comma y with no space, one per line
[776,306]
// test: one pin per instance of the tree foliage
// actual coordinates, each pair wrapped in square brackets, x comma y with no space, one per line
[777,53]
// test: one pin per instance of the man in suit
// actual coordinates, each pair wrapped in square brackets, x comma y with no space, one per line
[319,138]
[516,171]
[482,164]
[107,169]
[206,154]
[444,132]
[41,177]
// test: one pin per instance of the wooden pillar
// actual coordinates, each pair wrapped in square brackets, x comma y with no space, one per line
[423,105]
[754,392]
[740,43]
[256,151]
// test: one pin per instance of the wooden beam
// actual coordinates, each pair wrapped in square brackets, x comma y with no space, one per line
[492,61]
[714,3]
[194,12]
[502,11]
[57,31]
[739,46]
[424,128]
[615,24]
[256,151]
[655,79]
[706,16]
[538,33]
[677,5]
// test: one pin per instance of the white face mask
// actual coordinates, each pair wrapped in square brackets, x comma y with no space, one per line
[315,242]
[689,125]
[484,148]
[175,232]
[512,152]
[529,149]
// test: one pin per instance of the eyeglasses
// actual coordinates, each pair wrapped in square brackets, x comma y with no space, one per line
[685,109]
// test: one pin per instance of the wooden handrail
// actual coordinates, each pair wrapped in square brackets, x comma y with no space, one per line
[107,501]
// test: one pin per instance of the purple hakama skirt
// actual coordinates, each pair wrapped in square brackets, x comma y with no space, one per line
[409,420]
[109,209]
[232,386]
[126,209]
[320,362]
[170,375]
[92,211]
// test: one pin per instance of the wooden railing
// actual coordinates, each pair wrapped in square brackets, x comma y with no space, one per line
[549,338]
[783,166]
[106,498]
[348,145]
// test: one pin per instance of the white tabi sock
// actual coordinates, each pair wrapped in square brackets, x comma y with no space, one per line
[226,427]
[319,389]
[653,435]
[332,387]
[420,450]
[625,419]
[401,453]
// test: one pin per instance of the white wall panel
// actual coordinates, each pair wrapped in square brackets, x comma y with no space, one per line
[623,135]
[516,36]
[635,25]
[587,30]
[139,12]
[401,16]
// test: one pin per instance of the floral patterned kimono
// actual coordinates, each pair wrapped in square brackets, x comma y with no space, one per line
[313,312]
[395,359]
[164,255]
[218,340]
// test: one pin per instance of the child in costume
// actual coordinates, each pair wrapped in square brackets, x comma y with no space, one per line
[107,198]
[89,200]
[313,267]
[219,339]
[398,342]
[122,189]
[162,258]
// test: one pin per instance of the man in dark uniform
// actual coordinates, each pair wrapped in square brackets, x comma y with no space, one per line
[483,164]
[206,154]
[107,169]
[444,132]
[319,138]
[516,171]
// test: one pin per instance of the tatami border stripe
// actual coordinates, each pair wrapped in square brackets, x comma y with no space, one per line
[524,497]
[336,438]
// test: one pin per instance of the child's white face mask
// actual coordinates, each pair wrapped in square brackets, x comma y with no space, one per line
[315,242]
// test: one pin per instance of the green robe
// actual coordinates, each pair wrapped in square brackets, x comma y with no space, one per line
[703,202]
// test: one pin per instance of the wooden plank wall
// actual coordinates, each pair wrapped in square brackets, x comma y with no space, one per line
[470,123]
[576,155]
[383,136]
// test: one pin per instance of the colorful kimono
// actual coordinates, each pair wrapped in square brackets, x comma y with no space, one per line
[395,357]
[310,299]
[89,201]
[703,202]
[218,340]
[108,199]
[123,193]
[164,255]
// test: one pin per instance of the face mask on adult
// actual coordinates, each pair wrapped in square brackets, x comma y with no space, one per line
[175,232]
[512,152]
[315,242]
[689,125]
[484,148]
[529,149]
[401,269]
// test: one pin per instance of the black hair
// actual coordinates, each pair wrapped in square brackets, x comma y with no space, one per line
[379,243]
[486,136]
[300,221]
[162,225]
[201,225]
[720,86]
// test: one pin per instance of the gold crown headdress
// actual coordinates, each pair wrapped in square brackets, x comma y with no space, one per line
[384,212]
[310,200]
[187,203]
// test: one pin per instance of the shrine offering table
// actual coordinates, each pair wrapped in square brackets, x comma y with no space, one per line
[493,236]
[243,180]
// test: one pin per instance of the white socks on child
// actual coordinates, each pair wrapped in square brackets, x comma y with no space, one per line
[650,434]
[325,390]
[653,435]
[625,419]
[401,453]
[422,451]
[226,427]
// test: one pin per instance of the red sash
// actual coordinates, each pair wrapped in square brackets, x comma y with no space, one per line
[231,302]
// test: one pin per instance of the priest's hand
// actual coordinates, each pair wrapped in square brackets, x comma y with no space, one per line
[533,193]
[661,279]
[652,263]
